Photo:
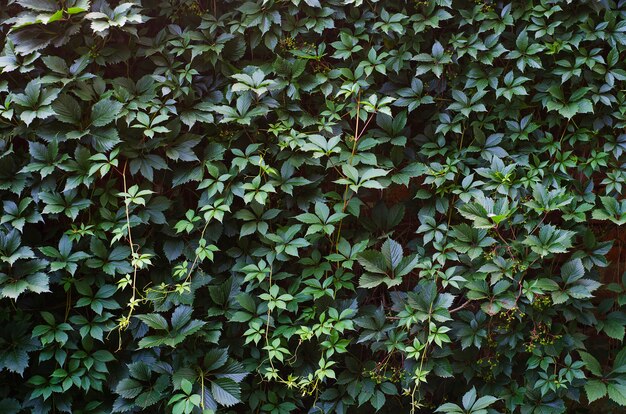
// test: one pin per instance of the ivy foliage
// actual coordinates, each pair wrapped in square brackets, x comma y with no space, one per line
[320,206]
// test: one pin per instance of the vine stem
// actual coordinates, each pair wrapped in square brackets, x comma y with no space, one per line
[423,357]
[201,388]
[267,324]
[195,259]
[124,321]
[460,307]
[130,235]
[357,135]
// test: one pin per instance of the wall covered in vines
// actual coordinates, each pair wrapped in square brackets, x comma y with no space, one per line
[312,206]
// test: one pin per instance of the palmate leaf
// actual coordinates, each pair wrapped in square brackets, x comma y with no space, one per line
[477,213]
[15,360]
[17,344]
[387,266]
[613,210]
[182,327]
[36,283]
[550,240]
[14,252]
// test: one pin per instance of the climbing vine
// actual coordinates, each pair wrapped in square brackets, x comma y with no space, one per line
[320,206]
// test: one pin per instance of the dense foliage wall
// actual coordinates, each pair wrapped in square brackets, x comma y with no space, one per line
[323,206]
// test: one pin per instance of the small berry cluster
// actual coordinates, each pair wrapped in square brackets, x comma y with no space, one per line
[487,366]
[391,374]
[540,335]
[487,6]
[542,302]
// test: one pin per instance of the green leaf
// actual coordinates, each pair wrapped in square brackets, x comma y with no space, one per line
[67,110]
[373,261]
[449,408]
[180,317]
[154,321]
[392,251]
[186,386]
[226,391]
[406,265]
[595,390]
[617,392]
[104,112]
[370,281]
[572,271]
[614,327]
[484,402]
[378,400]
[39,5]
[129,388]
[14,360]
[468,399]
[591,363]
